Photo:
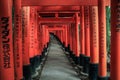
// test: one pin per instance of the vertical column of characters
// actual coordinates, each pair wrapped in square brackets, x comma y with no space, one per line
[102,40]
[6,41]
[115,40]
[32,45]
[87,39]
[94,43]
[25,42]
[18,40]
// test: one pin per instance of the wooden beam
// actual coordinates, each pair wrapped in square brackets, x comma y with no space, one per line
[57,24]
[51,14]
[59,9]
[58,2]
[56,20]
[55,28]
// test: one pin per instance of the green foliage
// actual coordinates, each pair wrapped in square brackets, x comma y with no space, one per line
[108,28]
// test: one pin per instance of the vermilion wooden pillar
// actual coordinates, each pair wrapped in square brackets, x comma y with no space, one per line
[68,36]
[102,40]
[64,35]
[32,32]
[61,36]
[44,34]
[32,35]
[32,38]
[25,42]
[40,38]
[72,37]
[18,40]
[36,43]
[43,38]
[35,34]
[115,40]
[47,36]
[66,40]
[37,40]
[77,38]
[58,34]
[87,39]
[39,51]
[94,43]
[82,36]
[70,31]
[6,44]
[67,27]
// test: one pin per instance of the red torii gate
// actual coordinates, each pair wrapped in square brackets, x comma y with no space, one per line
[56,20]
[101,7]
[56,3]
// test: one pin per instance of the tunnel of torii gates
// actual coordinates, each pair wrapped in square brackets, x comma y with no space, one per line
[79,24]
